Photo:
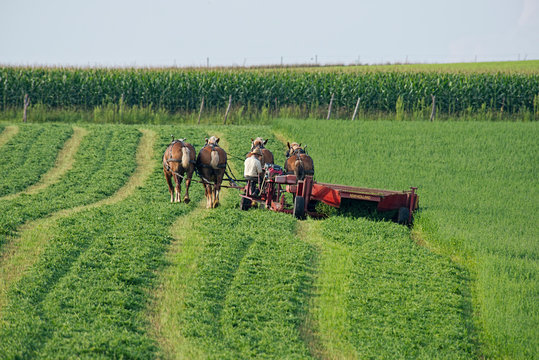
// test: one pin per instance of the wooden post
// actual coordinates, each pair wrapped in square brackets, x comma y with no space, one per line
[433,113]
[121,108]
[25,108]
[200,112]
[330,105]
[228,108]
[357,107]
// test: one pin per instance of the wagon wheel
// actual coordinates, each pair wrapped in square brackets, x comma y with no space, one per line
[404,215]
[245,203]
[299,207]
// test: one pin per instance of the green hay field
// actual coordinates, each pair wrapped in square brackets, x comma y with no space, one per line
[98,265]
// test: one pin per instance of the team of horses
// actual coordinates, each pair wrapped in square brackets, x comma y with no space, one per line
[210,165]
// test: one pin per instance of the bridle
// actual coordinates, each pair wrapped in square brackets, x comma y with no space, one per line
[258,145]
[296,151]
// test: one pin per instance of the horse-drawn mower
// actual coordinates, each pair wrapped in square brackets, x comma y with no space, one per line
[307,192]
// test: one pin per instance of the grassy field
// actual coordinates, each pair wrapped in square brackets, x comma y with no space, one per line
[18,165]
[510,67]
[85,295]
[105,266]
[478,197]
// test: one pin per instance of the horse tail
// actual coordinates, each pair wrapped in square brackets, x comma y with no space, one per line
[299,170]
[214,162]
[186,156]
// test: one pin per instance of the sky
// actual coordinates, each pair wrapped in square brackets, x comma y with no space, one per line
[124,33]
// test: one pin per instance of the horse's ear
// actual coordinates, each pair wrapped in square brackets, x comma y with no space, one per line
[288,144]
[299,145]
[206,140]
[217,140]
[265,141]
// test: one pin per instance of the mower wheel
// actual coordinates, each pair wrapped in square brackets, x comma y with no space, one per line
[245,203]
[404,215]
[299,207]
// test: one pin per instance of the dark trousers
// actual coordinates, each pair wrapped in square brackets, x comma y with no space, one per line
[252,181]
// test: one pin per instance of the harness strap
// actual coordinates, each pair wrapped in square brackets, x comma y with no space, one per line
[174,172]
[220,166]
[178,174]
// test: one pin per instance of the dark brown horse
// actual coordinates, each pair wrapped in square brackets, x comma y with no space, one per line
[267,156]
[211,165]
[298,162]
[179,162]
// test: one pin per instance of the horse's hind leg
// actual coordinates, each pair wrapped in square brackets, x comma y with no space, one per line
[169,183]
[207,190]
[178,181]
[213,203]
[217,190]
[214,200]
[187,184]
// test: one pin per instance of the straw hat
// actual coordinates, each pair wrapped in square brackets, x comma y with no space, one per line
[256,151]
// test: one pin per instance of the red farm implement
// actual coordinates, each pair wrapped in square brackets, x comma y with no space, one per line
[306,192]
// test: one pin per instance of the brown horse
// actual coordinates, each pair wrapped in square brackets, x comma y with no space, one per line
[211,165]
[298,162]
[267,156]
[179,162]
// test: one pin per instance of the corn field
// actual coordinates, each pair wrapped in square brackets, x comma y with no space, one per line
[182,90]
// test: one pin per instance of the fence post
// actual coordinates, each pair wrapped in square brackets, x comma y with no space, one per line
[26,104]
[330,105]
[357,107]
[433,113]
[200,112]
[228,108]
[121,108]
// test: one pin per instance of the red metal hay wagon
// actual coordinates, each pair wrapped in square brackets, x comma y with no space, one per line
[307,191]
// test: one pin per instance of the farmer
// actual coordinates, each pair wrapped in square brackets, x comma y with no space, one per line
[253,170]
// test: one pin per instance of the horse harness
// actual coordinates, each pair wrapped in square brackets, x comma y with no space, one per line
[170,159]
[204,180]
[298,151]
[213,148]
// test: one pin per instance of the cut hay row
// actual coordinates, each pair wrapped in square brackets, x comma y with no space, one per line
[24,250]
[238,281]
[7,132]
[104,162]
[86,294]
[64,162]
[252,287]
[30,154]
[250,284]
